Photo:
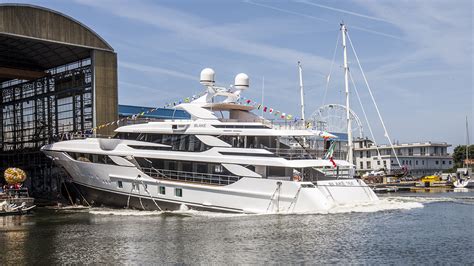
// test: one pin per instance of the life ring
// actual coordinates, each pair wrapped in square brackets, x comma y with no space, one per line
[296,178]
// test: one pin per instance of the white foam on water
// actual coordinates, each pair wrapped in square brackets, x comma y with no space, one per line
[181,212]
[421,199]
[123,212]
[208,213]
[384,204]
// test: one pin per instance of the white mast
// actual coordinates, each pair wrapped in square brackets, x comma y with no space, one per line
[346,84]
[301,92]
[263,92]
[467,144]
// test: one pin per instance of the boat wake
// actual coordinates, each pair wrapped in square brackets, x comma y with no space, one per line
[426,200]
[384,204]
[178,213]
[392,203]
[123,212]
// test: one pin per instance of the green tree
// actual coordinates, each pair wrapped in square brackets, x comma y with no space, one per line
[459,154]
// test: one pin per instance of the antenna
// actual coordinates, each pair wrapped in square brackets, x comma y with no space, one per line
[300,69]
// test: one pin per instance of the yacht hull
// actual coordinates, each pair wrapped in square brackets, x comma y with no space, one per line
[101,198]
[129,187]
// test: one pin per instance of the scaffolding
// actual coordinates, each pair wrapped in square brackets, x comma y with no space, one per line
[36,113]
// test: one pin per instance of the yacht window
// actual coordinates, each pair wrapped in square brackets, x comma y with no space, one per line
[254,141]
[162,190]
[119,184]
[248,154]
[218,168]
[91,158]
[135,187]
[201,168]
[83,157]
[178,142]
[182,142]
[169,165]
[178,192]
[276,171]
[241,126]
[141,147]
[186,166]
[191,144]
[126,135]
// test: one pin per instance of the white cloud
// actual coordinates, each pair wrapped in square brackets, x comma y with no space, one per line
[439,29]
[343,11]
[199,30]
[158,70]
[299,14]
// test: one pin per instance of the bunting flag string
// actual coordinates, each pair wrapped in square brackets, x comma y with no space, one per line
[267,109]
[242,100]
[143,113]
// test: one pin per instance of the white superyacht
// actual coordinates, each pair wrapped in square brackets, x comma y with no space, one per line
[224,158]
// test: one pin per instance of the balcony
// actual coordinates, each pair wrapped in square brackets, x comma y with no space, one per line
[301,154]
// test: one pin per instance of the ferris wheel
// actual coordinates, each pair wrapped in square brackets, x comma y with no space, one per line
[332,118]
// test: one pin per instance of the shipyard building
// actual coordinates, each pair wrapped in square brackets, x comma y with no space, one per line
[420,159]
[57,77]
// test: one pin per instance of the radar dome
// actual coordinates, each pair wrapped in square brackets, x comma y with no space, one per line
[241,81]
[207,76]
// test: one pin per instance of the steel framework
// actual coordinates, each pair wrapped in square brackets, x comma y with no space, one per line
[38,112]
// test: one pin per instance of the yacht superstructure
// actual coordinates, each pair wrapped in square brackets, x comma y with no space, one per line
[225,158]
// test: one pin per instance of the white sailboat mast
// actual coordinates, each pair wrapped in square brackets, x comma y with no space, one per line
[346,84]
[467,144]
[300,69]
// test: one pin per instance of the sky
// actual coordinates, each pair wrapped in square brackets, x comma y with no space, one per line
[417,56]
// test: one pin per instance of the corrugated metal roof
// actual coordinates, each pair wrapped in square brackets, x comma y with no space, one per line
[160,113]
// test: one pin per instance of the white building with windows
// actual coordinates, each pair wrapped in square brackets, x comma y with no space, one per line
[423,158]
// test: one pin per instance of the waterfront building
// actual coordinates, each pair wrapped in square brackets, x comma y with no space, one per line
[421,158]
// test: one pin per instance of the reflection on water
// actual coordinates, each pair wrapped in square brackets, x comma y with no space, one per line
[402,228]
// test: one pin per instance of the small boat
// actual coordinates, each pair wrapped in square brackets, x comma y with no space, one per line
[462,178]
[386,189]
[7,209]
[15,202]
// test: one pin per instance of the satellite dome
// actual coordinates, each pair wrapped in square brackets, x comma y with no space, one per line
[207,76]
[241,81]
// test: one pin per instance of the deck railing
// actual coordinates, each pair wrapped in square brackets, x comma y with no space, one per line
[202,178]
[300,153]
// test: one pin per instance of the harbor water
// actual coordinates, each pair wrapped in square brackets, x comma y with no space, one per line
[403,228]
